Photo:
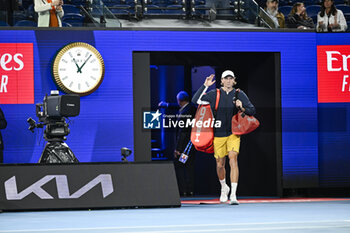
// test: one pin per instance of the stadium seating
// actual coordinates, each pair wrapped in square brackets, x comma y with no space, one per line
[68,9]
[76,20]
[344,8]
[313,10]
[200,9]
[175,10]
[109,3]
[64,24]
[336,2]
[347,18]
[78,2]
[20,15]
[26,23]
[312,2]
[285,10]
[3,24]
[29,12]
[166,7]
[26,3]
[122,7]
[152,9]
[314,19]
[262,3]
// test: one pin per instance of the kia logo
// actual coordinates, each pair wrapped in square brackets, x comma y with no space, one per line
[12,193]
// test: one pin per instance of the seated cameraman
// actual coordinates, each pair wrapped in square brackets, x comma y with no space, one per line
[3,125]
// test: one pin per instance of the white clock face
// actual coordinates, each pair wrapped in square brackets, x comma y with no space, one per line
[80,69]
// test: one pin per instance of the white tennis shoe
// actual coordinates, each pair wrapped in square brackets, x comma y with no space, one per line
[233,200]
[224,193]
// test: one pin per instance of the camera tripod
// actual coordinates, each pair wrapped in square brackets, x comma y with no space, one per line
[56,150]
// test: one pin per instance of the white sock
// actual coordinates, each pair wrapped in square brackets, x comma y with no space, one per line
[233,189]
[223,183]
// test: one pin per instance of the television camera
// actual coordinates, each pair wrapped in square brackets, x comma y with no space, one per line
[52,114]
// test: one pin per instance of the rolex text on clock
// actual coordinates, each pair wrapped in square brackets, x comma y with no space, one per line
[78,68]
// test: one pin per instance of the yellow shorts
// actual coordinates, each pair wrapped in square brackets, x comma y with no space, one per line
[222,145]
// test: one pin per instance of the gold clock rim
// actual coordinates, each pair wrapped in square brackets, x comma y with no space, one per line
[58,58]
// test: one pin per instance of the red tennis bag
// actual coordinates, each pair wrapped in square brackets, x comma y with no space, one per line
[202,137]
[242,123]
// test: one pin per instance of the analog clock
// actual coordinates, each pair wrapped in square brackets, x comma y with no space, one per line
[78,68]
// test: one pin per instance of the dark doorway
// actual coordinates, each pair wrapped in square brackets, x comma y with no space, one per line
[258,74]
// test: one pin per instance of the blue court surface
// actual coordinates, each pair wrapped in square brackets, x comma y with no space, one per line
[314,216]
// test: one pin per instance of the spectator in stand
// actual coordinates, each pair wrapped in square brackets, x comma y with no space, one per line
[298,18]
[330,19]
[50,12]
[272,10]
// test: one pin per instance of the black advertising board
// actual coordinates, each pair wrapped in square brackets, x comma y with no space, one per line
[70,186]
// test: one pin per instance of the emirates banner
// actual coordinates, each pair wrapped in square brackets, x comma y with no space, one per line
[333,63]
[16,73]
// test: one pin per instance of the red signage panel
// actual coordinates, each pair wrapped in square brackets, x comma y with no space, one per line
[16,73]
[333,63]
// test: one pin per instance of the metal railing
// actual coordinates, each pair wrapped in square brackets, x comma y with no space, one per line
[101,13]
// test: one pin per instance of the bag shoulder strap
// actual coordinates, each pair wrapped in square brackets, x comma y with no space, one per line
[236,93]
[236,98]
[217,99]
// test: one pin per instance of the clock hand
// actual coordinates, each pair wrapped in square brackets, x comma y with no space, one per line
[77,66]
[84,63]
